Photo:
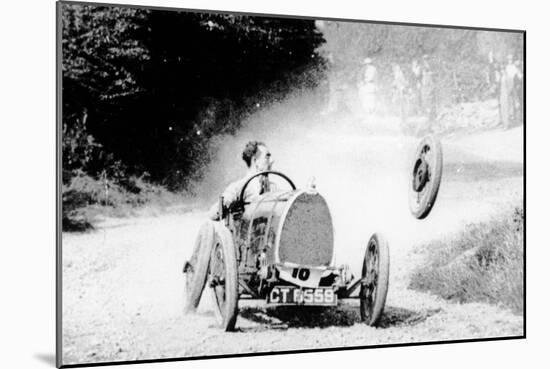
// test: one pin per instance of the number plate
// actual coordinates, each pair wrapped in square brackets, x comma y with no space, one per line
[288,295]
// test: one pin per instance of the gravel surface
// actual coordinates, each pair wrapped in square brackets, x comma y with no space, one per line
[123,285]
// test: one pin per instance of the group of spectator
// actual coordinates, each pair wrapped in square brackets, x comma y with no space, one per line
[505,81]
[414,88]
[416,94]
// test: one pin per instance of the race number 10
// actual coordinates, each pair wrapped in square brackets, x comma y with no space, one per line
[300,273]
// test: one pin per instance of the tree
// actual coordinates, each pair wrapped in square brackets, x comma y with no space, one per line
[150,80]
[102,58]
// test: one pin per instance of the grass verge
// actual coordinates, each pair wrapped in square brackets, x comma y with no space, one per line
[483,263]
[85,199]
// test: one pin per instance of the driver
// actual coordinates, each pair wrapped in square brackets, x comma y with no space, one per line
[257,157]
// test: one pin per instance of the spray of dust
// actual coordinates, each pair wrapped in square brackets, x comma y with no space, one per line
[299,136]
[360,163]
[362,166]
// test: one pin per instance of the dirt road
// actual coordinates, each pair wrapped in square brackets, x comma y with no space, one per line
[122,284]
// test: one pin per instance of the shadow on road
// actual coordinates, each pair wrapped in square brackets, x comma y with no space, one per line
[319,317]
[397,317]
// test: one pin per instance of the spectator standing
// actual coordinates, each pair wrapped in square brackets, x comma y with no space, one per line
[416,86]
[399,86]
[518,89]
[367,86]
[509,102]
[492,76]
[428,89]
[512,74]
[332,90]
[504,98]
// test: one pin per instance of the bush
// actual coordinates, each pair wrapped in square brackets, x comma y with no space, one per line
[86,197]
[484,263]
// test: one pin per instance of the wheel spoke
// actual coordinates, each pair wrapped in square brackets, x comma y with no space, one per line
[218,277]
[370,280]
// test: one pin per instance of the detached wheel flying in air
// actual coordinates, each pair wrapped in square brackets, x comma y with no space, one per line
[197,267]
[374,279]
[426,177]
[223,278]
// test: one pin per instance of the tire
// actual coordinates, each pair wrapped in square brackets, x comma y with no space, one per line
[428,163]
[223,277]
[196,268]
[374,280]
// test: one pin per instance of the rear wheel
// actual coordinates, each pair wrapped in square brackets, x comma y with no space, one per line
[223,278]
[374,279]
[197,267]
[426,177]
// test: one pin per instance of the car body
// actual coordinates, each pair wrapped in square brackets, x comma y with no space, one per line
[279,247]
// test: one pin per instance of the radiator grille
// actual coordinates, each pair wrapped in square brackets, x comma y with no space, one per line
[306,236]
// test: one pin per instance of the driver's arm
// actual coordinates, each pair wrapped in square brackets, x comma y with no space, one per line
[230,196]
[213,212]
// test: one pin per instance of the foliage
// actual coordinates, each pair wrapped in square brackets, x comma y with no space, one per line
[102,52]
[85,197]
[101,60]
[145,90]
[458,57]
[483,263]
[79,147]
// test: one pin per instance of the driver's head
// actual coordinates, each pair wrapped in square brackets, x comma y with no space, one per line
[257,156]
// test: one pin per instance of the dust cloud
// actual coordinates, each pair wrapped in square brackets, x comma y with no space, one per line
[300,138]
[362,164]
[359,163]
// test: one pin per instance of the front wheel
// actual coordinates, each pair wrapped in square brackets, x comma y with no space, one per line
[197,267]
[374,279]
[223,277]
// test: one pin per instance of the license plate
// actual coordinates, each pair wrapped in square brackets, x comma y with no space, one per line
[288,295]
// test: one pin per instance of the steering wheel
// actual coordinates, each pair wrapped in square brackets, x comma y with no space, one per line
[265,172]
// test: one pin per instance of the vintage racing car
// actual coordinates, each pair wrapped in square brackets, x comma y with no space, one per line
[279,248]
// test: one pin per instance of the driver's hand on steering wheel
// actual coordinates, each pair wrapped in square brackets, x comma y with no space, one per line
[237,207]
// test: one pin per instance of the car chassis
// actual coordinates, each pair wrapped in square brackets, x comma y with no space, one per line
[278,247]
